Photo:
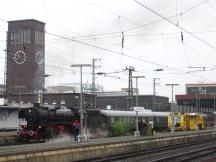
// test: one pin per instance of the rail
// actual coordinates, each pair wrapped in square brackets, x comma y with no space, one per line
[149,151]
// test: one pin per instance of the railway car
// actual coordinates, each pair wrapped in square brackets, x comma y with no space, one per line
[179,121]
[42,122]
[190,121]
[207,120]
[99,121]
[184,121]
[193,121]
[160,124]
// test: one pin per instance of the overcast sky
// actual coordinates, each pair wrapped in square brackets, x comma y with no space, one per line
[150,41]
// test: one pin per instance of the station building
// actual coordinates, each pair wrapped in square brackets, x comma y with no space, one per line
[198,98]
[119,101]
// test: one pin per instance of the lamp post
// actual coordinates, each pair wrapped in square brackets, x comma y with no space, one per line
[81,137]
[137,132]
[137,77]
[172,113]
[154,93]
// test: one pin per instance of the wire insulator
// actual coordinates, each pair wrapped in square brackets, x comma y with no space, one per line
[122,39]
[182,37]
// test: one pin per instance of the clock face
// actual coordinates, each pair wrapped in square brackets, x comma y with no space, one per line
[39,57]
[19,57]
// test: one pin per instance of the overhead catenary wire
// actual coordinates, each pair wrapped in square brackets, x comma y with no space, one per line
[169,17]
[209,4]
[72,39]
[113,34]
[127,35]
[155,34]
[130,29]
[196,52]
[138,26]
[186,55]
[124,55]
[176,13]
[94,35]
[114,52]
[200,39]
[182,38]
[122,17]
[134,58]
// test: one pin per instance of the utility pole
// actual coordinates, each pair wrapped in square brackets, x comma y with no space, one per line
[154,92]
[172,107]
[93,74]
[81,137]
[130,69]
[137,132]
[93,78]
[137,77]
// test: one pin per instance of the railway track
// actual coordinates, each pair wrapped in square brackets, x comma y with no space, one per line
[177,153]
[188,156]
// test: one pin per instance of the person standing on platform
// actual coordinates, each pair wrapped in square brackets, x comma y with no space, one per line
[76,126]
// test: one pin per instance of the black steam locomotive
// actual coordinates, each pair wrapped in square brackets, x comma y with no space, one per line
[41,122]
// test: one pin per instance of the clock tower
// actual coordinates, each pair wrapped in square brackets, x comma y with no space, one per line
[25,56]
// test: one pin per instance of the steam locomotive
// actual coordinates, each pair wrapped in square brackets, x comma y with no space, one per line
[42,122]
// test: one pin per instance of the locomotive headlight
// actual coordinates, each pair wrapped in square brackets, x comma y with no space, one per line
[39,126]
[29,111]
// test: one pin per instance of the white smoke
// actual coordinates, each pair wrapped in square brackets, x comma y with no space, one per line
[91,133]
[63,137]
[97,133]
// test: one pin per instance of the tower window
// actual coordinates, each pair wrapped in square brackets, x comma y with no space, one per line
[20,37]
[39,38]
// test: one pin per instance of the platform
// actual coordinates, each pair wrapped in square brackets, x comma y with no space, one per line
[71,151]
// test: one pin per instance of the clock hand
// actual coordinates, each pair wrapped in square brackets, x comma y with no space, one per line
[22,57]
[17,57]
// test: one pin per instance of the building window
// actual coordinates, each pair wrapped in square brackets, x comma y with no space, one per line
[54,102]
[39,38]
[26,36]
[20,37]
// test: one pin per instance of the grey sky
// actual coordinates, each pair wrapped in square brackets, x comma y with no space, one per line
[146,48]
